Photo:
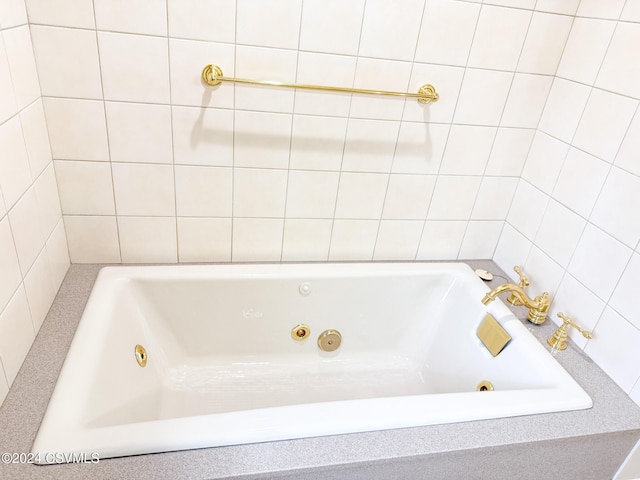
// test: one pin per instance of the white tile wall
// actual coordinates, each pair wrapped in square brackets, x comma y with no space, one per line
[574,222]
[499,37]
[528,158]
[33,247]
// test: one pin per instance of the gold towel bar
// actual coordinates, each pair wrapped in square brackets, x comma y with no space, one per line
[212,76]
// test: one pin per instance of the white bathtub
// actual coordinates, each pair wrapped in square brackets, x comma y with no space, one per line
[223,367]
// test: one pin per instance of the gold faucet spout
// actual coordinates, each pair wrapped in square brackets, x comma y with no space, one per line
[537,306]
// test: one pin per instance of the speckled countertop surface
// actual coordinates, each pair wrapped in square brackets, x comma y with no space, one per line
[22,411]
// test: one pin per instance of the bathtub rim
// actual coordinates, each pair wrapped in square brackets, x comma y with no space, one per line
[106,438]
[614,419]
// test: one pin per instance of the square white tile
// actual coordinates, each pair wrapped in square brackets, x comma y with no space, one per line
[16,334]
[203,191]
[526,100]
[527,209]
[77,129]
[353,239]
[306,239]
[268,64]
[558,219]
[323,69]
[22,64]
[4,388]
[494,198]
[564,108]
[15,176]
[408,197]
[92,239]
[446,32]
[441,240]
[447,82]
[148,239]
[202,136]
[453,197]
[139,133]
[623,299]
[134,68]
[255,23]
[620,71]
[85,188]
[544,44]
[475,105]
[616,208]
[604,122]
[509,151]
[545,161]
[317,143]
[188,59]
[67,60]
[567,7]
[204,239]
[26,227]
[58,253]
[398,239]
[65,13]
[143,189]
[499,38]
[576,301]
[420,147]
[36,137]
[48,200]
[214,20]
[8,104]
[361,195]
[594,8]
[631,13]
[331,26]
[376,74]
[513,248]
[598,261]
[544,274]
[527,4]
[585,49]
[3,208]
[627,156]
[384,20]
[480,239]
[13,13]
[261,139]
[259,192]
[9,265]
[311,194]
[580,181]
[615,349]
[370,145]
[257,239]
[132,16]
[467,151]
[38,286]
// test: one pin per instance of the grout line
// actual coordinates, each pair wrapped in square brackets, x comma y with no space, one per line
[290,115]
[233,133]
[106,124]
[446,142]
[587,220]
[399,125]
[495,136]
[346,133]
[173,162]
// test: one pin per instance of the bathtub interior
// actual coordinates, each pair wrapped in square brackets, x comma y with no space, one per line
[220,348]
[220,345]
